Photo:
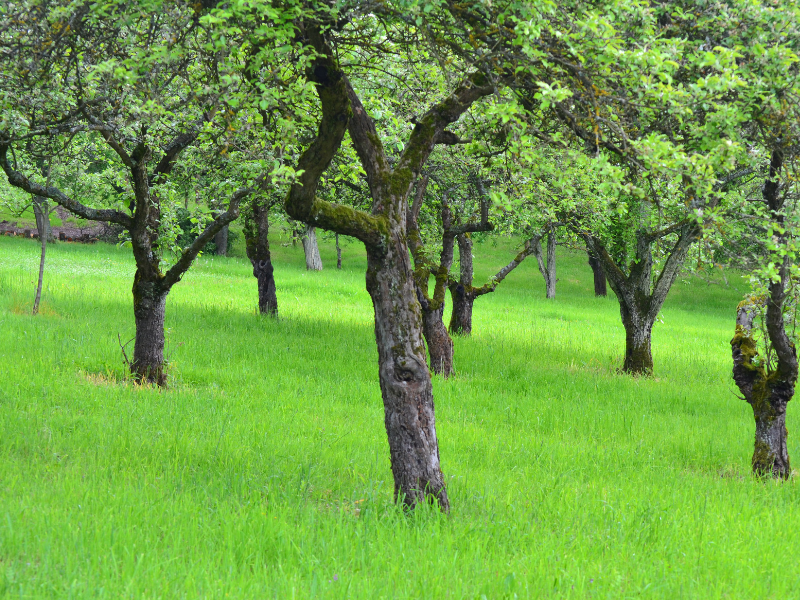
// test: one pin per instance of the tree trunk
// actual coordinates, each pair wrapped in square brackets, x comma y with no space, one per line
[461,317]
[149,305]
[221,241]
[404,376]
[638,332]
[599,275]
[311,249]
[440,346]
[768,394]
[461,291]
[550,275]
[547,264]
[338,253]
[40,210]
[770,455]
[256,233]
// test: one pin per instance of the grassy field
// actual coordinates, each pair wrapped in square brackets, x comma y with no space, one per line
[263,471]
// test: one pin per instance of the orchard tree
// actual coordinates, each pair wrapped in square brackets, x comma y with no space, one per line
[137,85]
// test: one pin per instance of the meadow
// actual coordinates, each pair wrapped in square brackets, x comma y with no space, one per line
[263,471]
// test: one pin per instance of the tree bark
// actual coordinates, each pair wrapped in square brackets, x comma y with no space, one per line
[149,305]
[256,232]
[440,346]
[404,377]
[550,278]
[599,275]
[638,333]
[311,249]
[221,241]
[463,302]
[461,292]
[338,253]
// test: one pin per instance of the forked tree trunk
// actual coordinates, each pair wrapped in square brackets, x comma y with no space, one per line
[768,394]
[149,306]
[221,241]
[640,299]
[311,249]
[440,346]
[600,288]
[547,264]
[404,377]
[256,232]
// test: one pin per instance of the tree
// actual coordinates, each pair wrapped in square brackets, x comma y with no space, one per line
[767,379]
[440,346]
[125,88]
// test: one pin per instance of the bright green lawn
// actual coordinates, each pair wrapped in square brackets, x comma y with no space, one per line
[263,472]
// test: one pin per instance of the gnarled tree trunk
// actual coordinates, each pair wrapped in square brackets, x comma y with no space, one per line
[404,377]
[311,249]
[768,393]
[768,385]
[256,232]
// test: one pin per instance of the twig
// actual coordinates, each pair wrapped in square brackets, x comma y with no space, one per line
[122,347]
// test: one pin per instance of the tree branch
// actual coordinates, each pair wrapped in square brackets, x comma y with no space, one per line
[19,180]
[301,202]
[175,273]
[502,273]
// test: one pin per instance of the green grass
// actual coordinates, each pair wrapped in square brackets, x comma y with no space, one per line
[263,472]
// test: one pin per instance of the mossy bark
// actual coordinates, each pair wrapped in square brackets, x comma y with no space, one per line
[768,394]
[768,384]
